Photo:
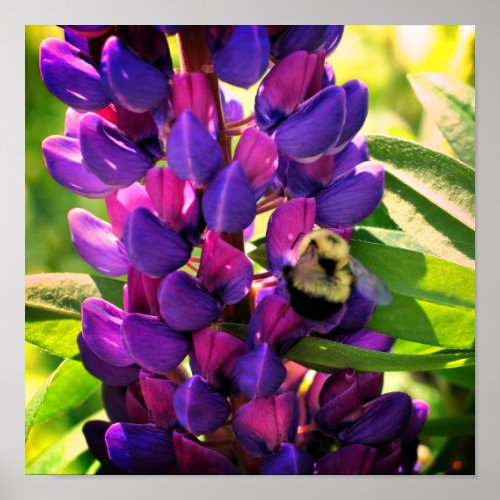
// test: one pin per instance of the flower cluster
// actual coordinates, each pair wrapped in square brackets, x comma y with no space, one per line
[156,143]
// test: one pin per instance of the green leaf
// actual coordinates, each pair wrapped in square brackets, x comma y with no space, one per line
[449,427]
[68,386]
[443,180]
[463,377]
[53,332]
[389,237]
[64,293]
[326,356]
[451,104]
[259,255]
[60,455]
[417,275]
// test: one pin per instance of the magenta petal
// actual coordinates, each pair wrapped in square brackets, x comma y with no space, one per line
[175,201]
[132,82]
[383,420]
[152,246]
[351,197]
[224,270]
[113,400]
[153,344]
[353,154]
[193,458]
[192,153]
[263,424]
[136,409]
[158,392]
[288,460]
[113,375]
[191,92]
[315,127]
[199,408]
[122,202]
[370,385]
[295,374]
[366,339]
[101,322]
[355,459]
[109,154]
[312,394]
[420,411]
[286,225]
[96,244]
[71,75]
[228,202]
[258,156]
[283,89]
[260,372]
[276,323]
[214,357]
[185,304]
[64,162]
[140,448]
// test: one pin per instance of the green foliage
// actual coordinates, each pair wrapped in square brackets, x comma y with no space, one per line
[449,426]
[66,388]
[452,106]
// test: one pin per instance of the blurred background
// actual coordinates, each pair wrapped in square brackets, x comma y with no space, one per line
[381,56]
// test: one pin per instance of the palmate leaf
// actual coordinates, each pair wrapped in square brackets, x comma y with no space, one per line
[451,104]
[53,303]
[327,356]
[429,195]
[68,386]
[61,454]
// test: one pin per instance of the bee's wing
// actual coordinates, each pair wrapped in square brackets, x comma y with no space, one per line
[368,284]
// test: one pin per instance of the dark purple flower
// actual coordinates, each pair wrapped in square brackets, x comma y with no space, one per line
[355,459]
[288,460]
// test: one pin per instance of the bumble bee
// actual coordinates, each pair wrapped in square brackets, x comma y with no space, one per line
[323,277]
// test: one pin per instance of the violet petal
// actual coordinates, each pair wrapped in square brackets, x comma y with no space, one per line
[353,154]
[158,392]
[355,459]
[288,460]
[113,400]
[419,413]
[94,432]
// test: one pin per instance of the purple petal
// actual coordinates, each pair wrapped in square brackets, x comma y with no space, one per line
[140,448]
[136,408]
[88,30]
[383,419]
[175,201]
[113,400]
[132,82]
[191,92]
[96,244]
[192,153]
[113,375]
[359,311]
[185,304]
[71,76]
[200,409]
[258,156]
[353,154]
[420,411]
[101,322]
[233,110]
[276,323]
[64,162]
[263,424]
[283,89]
[327,325]
[366,339]
[244,57]
[224,270]
[286,225]
[340,402]
[370,385]
[356,110]
[307,37]
[158,392]
[109,154]
[288,460]
[122,202]
[71,123]
[388,459]
[351,197]
[135,299]
[94,432]
[229,203]
[303,179]
[355,459]
[193,458]
[312,395]
[152,246]
[314,127]
[260,372]
[214,357]
[153,344]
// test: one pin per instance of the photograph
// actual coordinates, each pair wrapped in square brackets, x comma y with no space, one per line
[250,250]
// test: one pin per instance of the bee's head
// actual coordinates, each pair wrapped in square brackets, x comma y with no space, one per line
[327,245]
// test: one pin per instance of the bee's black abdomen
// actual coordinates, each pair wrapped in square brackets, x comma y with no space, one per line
[312,307]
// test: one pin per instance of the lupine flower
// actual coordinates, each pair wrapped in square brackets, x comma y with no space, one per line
[183,395]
